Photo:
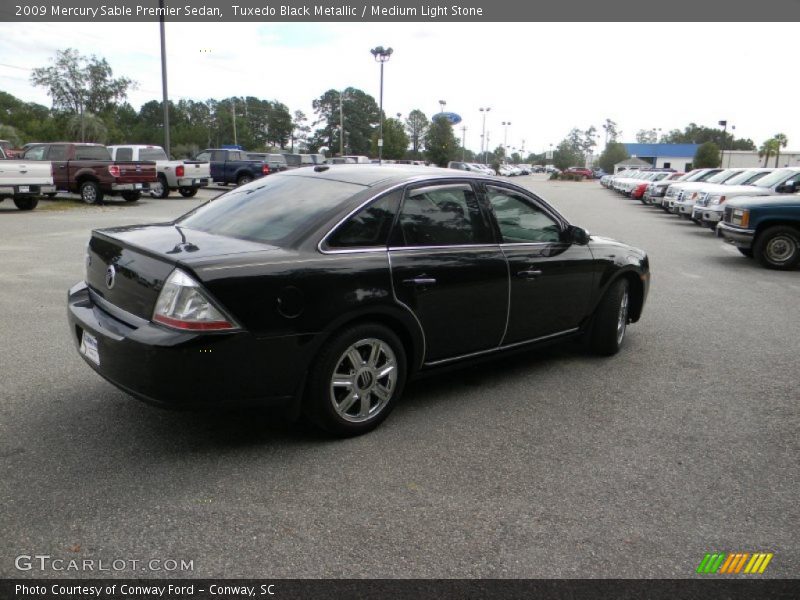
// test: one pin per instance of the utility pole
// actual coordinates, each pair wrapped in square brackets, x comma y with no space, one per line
[233,108]
[463,139]
[164,94]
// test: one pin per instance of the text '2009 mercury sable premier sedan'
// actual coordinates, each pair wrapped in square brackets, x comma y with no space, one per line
[322,290]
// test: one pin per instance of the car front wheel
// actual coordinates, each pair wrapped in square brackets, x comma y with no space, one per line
[611,320]
[187,192]
[778,247]
[91,192]
[359,376]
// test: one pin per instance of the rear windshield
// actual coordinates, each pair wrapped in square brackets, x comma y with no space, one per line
[277,158]
[272,209]
[152,154]
[92,153]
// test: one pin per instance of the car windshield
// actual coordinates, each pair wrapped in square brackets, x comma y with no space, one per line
[722,176]
[694,176]
[744,177]
[775,177]
[271,209]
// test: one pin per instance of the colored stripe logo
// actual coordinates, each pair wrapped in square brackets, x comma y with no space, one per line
[734,563]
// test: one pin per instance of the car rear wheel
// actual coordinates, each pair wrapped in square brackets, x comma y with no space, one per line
[91,192]
[131,196]
[159,189]
[187,192]
[26,203]
[244,179]
[778,247]
[611,320]
[358,377]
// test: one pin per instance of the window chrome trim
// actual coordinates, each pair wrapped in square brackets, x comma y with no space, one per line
[444,361]
[449,247]
[440,186]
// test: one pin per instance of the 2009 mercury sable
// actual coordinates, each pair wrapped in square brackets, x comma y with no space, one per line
[324,289]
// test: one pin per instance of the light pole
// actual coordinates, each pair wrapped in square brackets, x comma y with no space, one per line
[484,111]
[463,139]
[163,82]
[442,104]
[381,55]
[506,125]
[724,125]
[485,150]
[341,122]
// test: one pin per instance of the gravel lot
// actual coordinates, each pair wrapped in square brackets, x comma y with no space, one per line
[545,464]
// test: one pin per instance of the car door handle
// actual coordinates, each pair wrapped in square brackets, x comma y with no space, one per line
[529,274]
[419,281]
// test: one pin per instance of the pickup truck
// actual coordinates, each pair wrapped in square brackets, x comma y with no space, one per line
[233,166]
[765,227]
[24,181]
[87,169]
[186,176]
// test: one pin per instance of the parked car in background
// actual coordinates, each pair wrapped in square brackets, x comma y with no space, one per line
[655,190]
[766,228]
[734,186]
[25,181]
[779,181]
[88,170]
[689,194]
[233,166]
[580,171]
[461,166]
[8,150]
[185,176]
[294,161]
[276,162]
[673,191]
[323,291]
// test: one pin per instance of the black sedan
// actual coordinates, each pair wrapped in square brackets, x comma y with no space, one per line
[323,290]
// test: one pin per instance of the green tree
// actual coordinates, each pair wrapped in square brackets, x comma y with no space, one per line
[612,131]
[440,142]
[395,140]
[647,136]
[782,142]
[707,155]
[697,134]
[78,85]
[768,148]
[300,130]
[7,132]
[614,152]
[416,127]
[360,115]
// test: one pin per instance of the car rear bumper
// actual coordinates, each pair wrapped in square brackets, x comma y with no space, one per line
[185,369]
[26,190]
[741,238]
[126,187]
[193,181]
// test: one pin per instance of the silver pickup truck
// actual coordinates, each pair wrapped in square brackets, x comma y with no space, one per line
[186,176]
[24,181]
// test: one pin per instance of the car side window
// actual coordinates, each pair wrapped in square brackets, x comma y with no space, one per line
[35,153]
[369,227]
[520,221]
[57,153]
[443,215]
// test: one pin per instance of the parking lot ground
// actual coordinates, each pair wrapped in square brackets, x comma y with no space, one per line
[545,464]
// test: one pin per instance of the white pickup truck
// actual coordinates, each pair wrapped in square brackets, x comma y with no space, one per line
[186,176]
[24,181]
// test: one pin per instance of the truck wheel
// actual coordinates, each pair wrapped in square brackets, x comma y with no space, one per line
[160,189]
[26,203]
[91,192]
[244,179]
[187,192]
[131,196]
[778,247]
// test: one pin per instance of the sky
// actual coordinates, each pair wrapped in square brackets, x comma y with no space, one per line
[542,78]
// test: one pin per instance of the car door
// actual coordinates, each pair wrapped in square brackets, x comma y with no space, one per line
[550,276]
[447,268]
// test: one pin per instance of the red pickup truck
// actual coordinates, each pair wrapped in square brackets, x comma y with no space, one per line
[87,169]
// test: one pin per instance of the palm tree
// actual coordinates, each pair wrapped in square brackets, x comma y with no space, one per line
[768,148]
[782,142]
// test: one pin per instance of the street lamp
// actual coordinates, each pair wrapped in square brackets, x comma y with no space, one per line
[506,125]
[463,139]
[724,125]
[442,104]
[381,55]
[485,151]
[342,97]
[484,111]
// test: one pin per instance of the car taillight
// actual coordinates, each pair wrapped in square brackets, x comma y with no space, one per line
[183,304]
[265,169]
[114,170]
[179,171]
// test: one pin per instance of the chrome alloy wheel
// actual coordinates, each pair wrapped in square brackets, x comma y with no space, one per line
[622,319]
[364,380]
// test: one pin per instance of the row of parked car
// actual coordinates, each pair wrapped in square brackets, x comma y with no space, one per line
[95,171]
[508,170]
[755,209]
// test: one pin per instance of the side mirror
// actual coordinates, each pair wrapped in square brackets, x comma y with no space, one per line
[788,188]
[578,235]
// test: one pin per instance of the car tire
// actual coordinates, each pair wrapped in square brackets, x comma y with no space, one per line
[243,180]
[187,192]
[610,320]
[51,195]
[26,203]
[778,247]
[160,189]
[91,193]
[748,252]
[356,380]
[131,196]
